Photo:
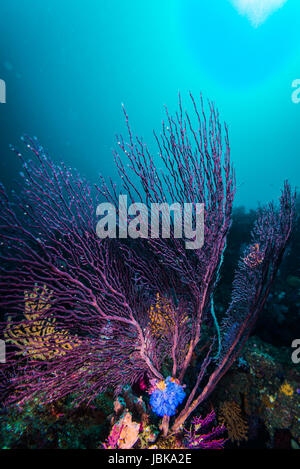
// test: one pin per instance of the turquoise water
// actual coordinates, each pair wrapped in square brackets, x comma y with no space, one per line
[68,66]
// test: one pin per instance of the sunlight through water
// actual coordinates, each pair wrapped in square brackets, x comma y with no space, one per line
[257,11]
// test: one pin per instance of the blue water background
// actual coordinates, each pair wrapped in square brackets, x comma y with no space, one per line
[68,66]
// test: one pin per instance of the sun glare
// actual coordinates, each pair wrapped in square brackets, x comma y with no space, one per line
[257,11]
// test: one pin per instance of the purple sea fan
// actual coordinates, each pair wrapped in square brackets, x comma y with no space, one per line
[193,165]
[49,242]
[195,438]
[102,290]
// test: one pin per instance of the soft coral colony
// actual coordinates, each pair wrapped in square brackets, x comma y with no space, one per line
[120,312]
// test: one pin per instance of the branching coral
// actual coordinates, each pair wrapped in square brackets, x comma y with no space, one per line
[104,288]
[254,256]
[168,330]
[230,415]
[196,437]
[38,338]
[162,320]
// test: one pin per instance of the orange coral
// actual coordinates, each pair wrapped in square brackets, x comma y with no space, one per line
[124,434]
[255,257]
[286,389]
[163,317]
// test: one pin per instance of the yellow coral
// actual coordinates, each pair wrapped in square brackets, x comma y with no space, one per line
[286,389]
[161,385]
[230,415]
[171,442]
[38,338]
[163,317]
[267,401]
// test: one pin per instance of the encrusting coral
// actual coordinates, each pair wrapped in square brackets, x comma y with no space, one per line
[124,434]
